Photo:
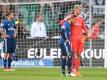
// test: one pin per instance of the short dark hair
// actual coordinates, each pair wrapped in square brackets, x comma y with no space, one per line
[8,13]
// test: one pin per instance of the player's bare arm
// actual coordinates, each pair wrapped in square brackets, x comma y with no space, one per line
[15,34]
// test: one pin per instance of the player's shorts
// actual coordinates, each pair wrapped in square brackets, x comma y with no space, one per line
[64,47]
[9,46]
[77,45]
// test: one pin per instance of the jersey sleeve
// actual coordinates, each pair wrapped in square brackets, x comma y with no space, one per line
[62,31]
[84,27]
[3,25]
[14,25]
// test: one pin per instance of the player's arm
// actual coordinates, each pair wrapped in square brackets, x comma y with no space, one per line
[62,31]
[65,19]
[87,34]
[2,29]
[3,34]
[15,31]
[84,27]
[61,22]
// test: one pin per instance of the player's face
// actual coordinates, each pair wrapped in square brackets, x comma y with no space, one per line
[12,16]
[98,23]
[78,11]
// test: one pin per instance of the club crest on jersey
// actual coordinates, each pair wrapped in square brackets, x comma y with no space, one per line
[10,24]
[77,23]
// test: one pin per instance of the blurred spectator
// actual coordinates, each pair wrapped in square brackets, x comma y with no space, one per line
[42,7]
[5,8]
[21,28]
[38,28]
[96,29]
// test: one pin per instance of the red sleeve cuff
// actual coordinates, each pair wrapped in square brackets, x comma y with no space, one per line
[61,22]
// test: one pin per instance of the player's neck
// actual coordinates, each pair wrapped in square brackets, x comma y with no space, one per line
[76,14]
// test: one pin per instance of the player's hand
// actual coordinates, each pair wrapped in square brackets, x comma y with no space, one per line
[89,36]
[5,36]
[68,17]
[83,39]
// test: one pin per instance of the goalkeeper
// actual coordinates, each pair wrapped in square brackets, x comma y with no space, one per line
[65,47]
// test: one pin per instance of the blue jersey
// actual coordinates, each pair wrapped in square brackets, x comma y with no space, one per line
[65,29]
[65,35]
[9,28]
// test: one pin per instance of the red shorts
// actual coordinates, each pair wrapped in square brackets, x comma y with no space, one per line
[77,45]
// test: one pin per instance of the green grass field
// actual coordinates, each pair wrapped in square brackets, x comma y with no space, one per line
[52,74]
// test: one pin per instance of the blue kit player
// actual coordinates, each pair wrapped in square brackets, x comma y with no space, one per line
[9,28]
[65,47]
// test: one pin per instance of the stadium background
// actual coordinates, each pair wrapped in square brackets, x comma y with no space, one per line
[45,52]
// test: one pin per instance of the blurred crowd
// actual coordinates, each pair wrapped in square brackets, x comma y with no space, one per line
[51,14]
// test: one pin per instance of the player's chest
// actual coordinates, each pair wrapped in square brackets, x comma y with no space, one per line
[10,27]
[10,24]
[77,23]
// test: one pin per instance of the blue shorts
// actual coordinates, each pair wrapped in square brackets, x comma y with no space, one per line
[65,48]
[9,46]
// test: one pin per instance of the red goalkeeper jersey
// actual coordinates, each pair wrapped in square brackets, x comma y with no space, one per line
[78,27]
